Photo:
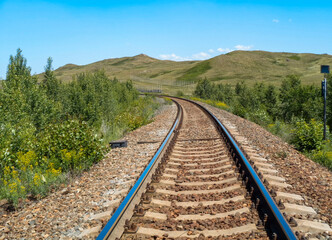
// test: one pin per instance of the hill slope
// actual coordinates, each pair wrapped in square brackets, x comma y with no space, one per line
[267,66]
[251,66]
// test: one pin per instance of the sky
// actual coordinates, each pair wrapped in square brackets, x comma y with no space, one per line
[82,31]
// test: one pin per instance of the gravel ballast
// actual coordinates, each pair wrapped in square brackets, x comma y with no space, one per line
[307,178]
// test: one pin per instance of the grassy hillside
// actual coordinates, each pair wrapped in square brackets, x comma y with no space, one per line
[251,66]
[267,66]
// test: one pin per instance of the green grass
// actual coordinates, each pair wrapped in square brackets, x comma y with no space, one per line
[120,62]
[295,57]
[194,73]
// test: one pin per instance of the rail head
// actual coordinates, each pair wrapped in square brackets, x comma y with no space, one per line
[267,204]
[116,219]
[283,228]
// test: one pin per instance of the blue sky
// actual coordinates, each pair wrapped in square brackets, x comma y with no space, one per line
[82,31]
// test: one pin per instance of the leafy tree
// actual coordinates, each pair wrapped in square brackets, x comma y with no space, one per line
[271,100]
[299,101]
[22,97]
[240,87]
[17,68]
[290,98]
[204,89]
[247,97]
[259,90]
[50,83]
[223,93]
[312,103]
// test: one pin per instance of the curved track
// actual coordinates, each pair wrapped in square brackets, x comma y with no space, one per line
[198,185]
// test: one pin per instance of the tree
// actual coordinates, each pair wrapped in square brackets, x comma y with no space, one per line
[228,93]
[299,101]
[18,73]
[270,100]
[22,97]
[17,66]
[50,83]
[259,91]
[240,87]
[290,98]
[204,89]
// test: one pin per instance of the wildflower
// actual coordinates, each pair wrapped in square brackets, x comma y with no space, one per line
[37,179]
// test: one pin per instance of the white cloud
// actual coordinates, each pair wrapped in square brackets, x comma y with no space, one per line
[173,57]
[244,48]
[201,56]
[204,55]
[224,50]
[275,20]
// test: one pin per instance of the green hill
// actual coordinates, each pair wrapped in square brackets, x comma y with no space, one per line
[251,66]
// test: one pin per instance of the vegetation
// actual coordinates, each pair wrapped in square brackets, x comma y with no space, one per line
[196,71]
[50,130]
[293,111]
[250,66]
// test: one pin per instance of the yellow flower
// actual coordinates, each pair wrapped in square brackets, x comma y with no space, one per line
[222,105]
[26,160]
[37,179]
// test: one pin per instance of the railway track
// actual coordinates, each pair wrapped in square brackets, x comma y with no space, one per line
[199,185]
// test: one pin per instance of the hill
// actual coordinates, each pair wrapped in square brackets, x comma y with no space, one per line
[251,66]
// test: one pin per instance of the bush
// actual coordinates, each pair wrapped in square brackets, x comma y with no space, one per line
[71,145]
[52,130]
[260,117]
[307,136]
[179,93]
[281,129]
[322,157]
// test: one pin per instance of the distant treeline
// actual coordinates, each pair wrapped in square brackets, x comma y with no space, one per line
[50,130]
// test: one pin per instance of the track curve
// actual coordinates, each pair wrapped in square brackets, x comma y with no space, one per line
[200,187]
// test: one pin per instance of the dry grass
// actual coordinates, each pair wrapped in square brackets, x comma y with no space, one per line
[251,66]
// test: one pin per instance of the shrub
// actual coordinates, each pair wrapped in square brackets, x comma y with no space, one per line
[281,129]
[322,157]
[260,116]
[12,187]
[179,93]
[71,145]
[307,136]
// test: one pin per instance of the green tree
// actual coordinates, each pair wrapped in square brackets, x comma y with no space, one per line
[259,90]
[247,97]
[271,100]
[204,89]
[299,101]
[240,87]
[22,96]
[290,98]
[50,83]
[17,68]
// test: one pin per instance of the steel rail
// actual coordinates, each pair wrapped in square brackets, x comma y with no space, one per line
[115,219]
[265,204]
[280,224]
